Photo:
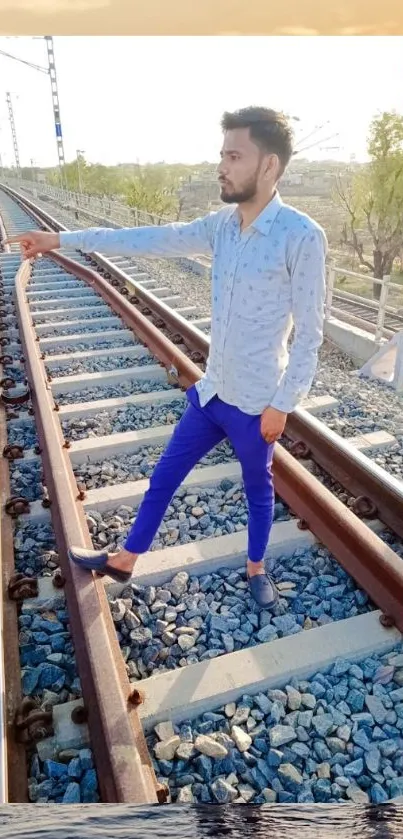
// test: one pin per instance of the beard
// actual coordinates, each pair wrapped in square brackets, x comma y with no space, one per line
[230,195]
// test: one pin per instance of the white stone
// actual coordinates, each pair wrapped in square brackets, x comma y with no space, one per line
[186,642]
[164,730]
[357,795]
[270,795]
[230,709]
[241,739]
[207,746]
[165,750]
[185,795]
[246,791]
[185,751]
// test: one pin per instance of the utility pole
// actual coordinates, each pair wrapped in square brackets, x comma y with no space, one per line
[80,183]
[50,71]
[55,103]
[13,132]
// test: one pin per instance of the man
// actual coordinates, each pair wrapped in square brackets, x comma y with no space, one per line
[268,270]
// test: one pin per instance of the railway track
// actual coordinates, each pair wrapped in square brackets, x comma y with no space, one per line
[350,307]
[177,687]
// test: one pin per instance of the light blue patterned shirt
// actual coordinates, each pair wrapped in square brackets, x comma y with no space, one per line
[264,279]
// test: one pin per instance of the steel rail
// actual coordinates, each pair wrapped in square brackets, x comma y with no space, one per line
[14,787]
[123,764]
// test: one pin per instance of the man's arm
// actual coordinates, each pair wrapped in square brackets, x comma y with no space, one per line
[168,240]
[308,285]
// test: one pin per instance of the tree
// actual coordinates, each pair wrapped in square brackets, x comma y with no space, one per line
[154,190]
[373,198]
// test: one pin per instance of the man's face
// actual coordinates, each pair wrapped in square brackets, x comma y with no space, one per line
[242,167]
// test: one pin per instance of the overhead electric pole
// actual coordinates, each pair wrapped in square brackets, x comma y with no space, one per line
[50,71]
[13,131]
[55,102]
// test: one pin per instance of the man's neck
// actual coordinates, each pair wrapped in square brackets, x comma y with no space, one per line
[249,211]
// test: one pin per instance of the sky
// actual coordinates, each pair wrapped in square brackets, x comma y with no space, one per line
[147,99]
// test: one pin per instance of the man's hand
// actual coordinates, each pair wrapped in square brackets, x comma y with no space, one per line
[34,242]
[272,424]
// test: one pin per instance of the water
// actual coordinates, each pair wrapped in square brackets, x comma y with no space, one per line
[43,821]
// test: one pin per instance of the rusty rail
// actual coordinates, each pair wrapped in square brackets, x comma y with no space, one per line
[3,237]
[124,767]
[15,769]
[356,472]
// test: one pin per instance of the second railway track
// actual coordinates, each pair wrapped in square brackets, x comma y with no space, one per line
[190,692]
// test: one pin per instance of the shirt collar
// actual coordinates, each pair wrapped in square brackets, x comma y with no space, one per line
[265,219]
[263,222]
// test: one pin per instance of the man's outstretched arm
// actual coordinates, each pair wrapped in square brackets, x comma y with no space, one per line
[168,240]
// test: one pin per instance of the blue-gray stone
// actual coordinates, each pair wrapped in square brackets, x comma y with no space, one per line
[354,769]
[397,695]
[281,734]
[323,724]
[204,766]
[53,769]
[223,792]
[300,749]
[305,797]
[274,758]
[30,680]
[88,782]
[58,643]
[340,667]
[86,758]
[363,720]
[360,738]
[290,777]
[51,675]
[277,711]
[268,633]
[262,701]
[305,718]
[185,780]
[378,794]
[322,790]
[396,787]
[318,689]
[75,768]
[373,759]
[165,767]
[355,700]
[321,750]
[376,708]
[265,770]
[388,748]
[72,794]
[285,623]
[45,788]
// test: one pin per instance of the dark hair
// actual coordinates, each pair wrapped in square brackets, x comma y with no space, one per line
[269,129]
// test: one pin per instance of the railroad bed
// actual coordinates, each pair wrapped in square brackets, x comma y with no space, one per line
[178,687]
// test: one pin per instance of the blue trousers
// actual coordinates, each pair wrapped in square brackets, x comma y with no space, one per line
[197,432]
